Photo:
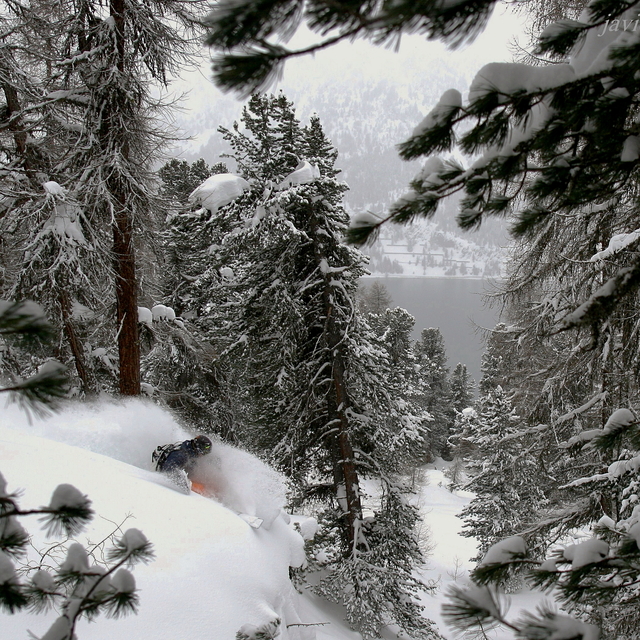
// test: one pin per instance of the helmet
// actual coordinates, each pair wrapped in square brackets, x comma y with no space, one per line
[202,445]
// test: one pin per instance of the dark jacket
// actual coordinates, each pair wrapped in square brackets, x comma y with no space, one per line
[183,458]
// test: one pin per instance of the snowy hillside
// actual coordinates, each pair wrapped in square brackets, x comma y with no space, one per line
[212,572]
[424,249]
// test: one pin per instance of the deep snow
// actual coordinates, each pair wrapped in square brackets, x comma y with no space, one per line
[212,573]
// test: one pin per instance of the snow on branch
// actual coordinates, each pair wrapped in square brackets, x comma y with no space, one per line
[600,305]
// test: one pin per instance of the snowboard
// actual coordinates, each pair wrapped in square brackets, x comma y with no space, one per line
[182,483]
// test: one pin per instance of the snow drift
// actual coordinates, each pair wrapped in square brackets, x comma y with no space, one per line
[212,574]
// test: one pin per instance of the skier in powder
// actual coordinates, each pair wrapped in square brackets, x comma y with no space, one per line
[179,461]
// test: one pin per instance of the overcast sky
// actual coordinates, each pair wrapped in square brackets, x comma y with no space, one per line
[415,57]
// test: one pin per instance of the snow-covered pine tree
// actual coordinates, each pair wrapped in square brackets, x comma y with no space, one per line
[503,473]
[309,380]
[178,360]
[461,387]
[431,357]
[408,380]
[595,578]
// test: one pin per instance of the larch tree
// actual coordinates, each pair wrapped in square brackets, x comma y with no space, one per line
[94,65]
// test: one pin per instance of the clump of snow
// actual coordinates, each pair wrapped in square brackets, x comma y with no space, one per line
[429,174]
[67,496]
[634,532]
[587,552]
[480,597]
[218,191]
[3,487]
[630,149]
[123,581]
[508,78]
[620,467]
[65,224]
[308,528]
[147,389]
[7,570]
[161,312]
[81,312]
[562,627]
[583,436]
[606,522]
[52,188]
[304,173]
[617,243]
[505,550]
[227,273]
[550,564]
[76,561]
[449,103]
[134,540]
[145,316]
[364,219]
[620,419]
[43,581]
[60,629]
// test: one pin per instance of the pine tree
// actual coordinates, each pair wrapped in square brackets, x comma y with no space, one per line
[278,298]
[407,380]
[461,387]
[503,474]
[595,578]
[432,359]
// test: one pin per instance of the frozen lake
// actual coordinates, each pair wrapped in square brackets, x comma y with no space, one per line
[455,305]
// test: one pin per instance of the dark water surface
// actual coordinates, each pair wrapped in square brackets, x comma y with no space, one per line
[454,305]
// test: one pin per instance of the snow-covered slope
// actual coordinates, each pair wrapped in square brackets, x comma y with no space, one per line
[212,573]
[425,249]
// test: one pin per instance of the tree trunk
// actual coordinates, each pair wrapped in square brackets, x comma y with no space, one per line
[345,472]
[126,304]
[74,342]
[123,243]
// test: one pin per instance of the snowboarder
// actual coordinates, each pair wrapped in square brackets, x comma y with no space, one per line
[179,460]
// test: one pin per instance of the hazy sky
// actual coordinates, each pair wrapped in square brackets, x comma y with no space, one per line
[416,57]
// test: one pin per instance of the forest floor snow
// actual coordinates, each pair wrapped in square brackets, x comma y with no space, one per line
[212,572]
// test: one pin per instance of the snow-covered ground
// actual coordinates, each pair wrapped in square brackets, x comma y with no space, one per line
[424,250]
[212,573]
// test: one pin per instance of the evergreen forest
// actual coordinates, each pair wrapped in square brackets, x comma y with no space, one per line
[234,296]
